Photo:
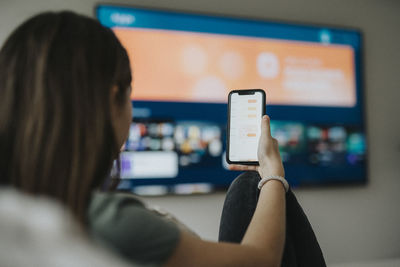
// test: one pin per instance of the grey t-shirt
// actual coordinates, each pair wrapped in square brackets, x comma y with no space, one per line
[122,222]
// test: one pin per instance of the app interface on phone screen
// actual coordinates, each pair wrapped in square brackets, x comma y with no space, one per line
[245,126]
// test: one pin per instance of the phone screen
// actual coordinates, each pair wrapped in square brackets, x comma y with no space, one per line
[246,108]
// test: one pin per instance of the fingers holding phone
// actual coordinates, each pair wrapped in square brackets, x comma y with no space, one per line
[270,162]
[269,158]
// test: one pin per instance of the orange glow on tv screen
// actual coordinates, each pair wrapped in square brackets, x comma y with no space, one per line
[197,67]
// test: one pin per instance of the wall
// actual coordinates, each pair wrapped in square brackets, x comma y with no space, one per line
[352,223]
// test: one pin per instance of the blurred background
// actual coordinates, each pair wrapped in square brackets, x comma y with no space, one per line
[354,223]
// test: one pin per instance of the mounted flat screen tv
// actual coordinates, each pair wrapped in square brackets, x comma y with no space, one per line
[184,65]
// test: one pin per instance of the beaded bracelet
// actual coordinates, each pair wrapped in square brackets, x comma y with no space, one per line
[274,177]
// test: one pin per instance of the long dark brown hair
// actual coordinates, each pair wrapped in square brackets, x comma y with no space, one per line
[56,135]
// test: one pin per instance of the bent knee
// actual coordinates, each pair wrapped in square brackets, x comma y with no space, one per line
[246,179]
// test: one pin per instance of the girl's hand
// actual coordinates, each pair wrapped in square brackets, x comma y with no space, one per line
[269,158]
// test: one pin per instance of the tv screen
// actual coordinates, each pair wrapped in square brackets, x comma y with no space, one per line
[184,65]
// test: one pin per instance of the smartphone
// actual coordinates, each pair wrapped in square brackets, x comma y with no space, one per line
[245,111]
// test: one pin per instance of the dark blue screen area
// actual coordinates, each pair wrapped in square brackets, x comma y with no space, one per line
[319,145]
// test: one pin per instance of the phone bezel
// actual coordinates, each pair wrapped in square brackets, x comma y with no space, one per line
[241,92]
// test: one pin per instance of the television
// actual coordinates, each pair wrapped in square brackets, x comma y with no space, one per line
[184,65]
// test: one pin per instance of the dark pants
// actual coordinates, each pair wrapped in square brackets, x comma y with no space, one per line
[301,245]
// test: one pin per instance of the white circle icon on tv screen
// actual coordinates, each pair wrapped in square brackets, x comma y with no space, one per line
[194,59]
[267,65]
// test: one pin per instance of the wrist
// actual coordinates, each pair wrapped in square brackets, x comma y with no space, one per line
[273,185]
[275,179]
[271,168]
[264,172]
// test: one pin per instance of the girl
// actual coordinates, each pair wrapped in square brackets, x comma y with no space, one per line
[64,114]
